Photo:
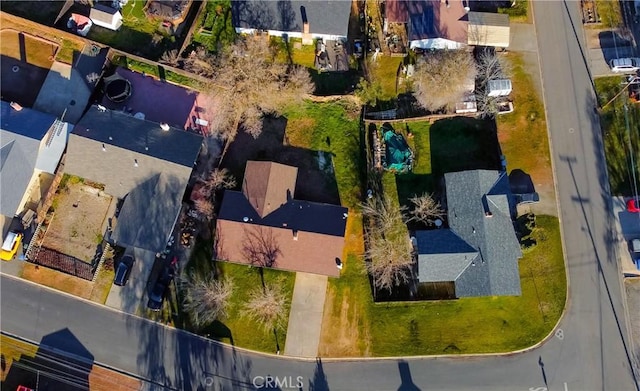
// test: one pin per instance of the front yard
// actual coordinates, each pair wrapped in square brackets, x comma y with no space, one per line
[621,145]
[236,329]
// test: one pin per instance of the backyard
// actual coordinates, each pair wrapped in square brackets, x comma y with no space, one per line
[25,62]
[621,144]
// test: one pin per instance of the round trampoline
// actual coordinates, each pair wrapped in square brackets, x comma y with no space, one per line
[118,90]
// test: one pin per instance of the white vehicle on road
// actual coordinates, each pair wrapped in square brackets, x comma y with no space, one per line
[625,65]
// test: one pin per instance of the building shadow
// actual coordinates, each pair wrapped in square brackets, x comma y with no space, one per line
[520,182]
[61,363]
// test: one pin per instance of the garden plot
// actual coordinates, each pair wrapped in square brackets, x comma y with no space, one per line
[76,226]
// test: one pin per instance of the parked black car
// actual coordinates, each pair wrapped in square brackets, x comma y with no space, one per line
[156,297]
[123,270]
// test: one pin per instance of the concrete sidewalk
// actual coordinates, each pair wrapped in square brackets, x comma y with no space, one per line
[305,317]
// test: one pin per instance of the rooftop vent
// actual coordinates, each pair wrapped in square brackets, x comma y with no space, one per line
[245,219]
[164,126]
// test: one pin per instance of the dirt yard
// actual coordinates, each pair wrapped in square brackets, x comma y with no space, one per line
[77,225]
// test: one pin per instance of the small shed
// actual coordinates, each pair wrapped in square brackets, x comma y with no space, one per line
[488,29]
[499,87]
[106,17]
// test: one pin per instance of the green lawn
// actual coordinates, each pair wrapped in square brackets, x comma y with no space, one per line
[214,28]
[157,71]
[616,137]
[236,329]
[384,70]
[310,125]
[138,34]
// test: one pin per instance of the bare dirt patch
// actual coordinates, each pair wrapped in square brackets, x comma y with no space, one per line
[76,227]
[57,280]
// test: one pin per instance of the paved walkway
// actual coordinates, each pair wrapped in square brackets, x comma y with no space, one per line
[305,317]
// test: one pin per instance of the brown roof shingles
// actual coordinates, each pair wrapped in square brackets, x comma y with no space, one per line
[268,185]
[310,253]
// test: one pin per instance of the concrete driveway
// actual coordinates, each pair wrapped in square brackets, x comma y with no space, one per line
[131,298]
[305,317]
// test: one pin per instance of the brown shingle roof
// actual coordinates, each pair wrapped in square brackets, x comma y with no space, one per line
[310,253]
[268,185]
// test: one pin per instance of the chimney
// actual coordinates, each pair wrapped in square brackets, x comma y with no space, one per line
[16,106]
[164,126]
[295,234]
[305,28]
[488,214]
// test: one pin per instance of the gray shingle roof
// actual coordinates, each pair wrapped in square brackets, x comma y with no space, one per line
[122,130]
[20,138]
[442,255]
[324,17]
[149,212]
[485,223]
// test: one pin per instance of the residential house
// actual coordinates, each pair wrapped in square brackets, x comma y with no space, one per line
[478,255]
[144,164]
[328,20]
[264,225]
[31,146]
[447,24]
[171,11]
[105,16]
[155,100]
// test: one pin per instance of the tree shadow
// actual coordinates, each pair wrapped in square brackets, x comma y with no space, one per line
[316,178]
[405,376]
[319,381]
[60,363]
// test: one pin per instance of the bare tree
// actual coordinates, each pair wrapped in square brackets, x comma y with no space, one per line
[260,247]
[170,58]
[425,209]
[204,207]
[490,66]
[386,214]
[267,306]
[390,261]
[218,178]
[248,82]
[441,78]
[206,298]
[389,252]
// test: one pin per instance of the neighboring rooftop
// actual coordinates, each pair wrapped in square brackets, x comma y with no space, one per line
[121,152]
[26,144]
[141,136]
[430,19]
[157,100]
[323,17]
[303,236]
